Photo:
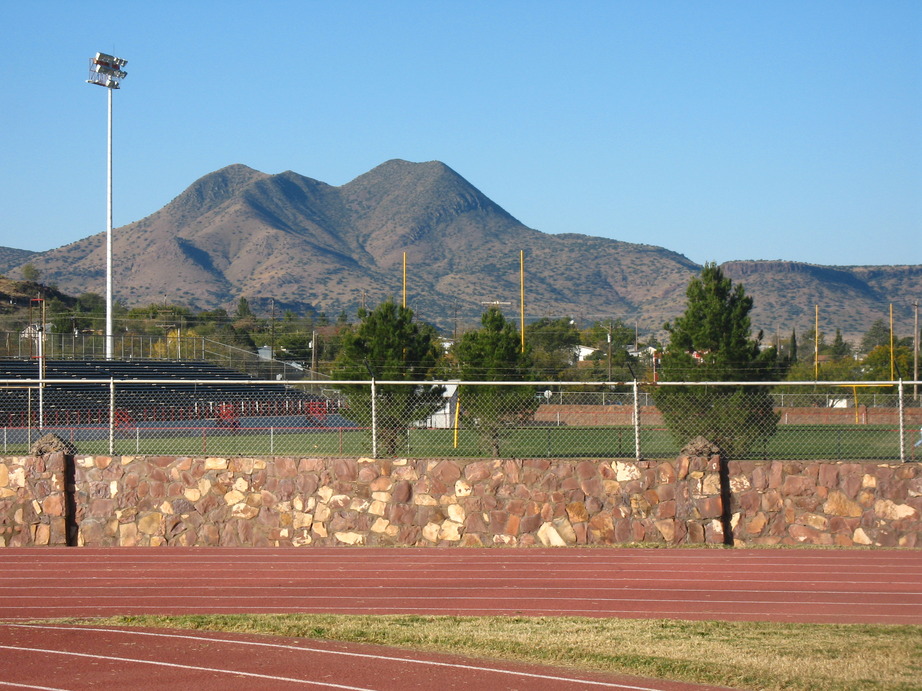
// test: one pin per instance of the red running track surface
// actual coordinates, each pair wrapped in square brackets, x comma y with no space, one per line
[58,658]
[823,586]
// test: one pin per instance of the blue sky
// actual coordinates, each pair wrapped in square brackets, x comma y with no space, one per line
[720,130]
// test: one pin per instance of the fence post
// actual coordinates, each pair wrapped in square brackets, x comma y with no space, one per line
[374,419]
[902,425]
[112,416]
[637,454]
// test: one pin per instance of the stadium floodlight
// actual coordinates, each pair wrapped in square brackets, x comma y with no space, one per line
[106,70]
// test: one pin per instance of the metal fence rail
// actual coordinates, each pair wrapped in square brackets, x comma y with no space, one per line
[428,419]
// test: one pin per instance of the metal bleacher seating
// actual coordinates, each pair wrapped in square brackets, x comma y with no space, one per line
[187,390]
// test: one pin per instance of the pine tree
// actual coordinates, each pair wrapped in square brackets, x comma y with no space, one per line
[243,308]
[840,347]
[388,344]
[30,273]
[553,345]
[877,335]
[711,342]
[494,353]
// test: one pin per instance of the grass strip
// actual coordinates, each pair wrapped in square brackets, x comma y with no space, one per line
[747,655]
[865,443]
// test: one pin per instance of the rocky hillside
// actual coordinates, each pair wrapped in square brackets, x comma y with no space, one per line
[312,246]
[10,257]
[850,298]
[18,296]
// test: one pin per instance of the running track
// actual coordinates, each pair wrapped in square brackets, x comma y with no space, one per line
[781,585]
[823,586]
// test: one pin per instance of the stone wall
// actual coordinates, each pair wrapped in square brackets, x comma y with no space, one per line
[289,501]
[33,503]
[822,503]
[154,500]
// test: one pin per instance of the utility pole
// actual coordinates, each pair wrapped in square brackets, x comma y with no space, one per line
[915,350]
[610,327]
[272,329]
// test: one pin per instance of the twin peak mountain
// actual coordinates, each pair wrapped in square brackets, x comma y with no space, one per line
[310,246]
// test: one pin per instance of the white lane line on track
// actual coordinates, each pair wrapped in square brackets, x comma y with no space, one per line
[168,572]
[369,656]
[379,597]
[456,575]
[31,686]
[196,668]
[159,588]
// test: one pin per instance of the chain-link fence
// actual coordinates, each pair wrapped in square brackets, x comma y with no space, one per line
[33,344]
[243,417]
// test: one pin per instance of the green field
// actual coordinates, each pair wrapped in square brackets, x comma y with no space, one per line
[791,442]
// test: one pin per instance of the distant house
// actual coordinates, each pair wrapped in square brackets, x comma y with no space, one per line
[444,418]
[645,352]
[34,331]
[583,352]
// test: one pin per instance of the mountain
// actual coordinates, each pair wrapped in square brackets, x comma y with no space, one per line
[850,298]
[312,246]
[11,257]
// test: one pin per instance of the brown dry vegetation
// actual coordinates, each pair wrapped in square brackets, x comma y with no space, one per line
[746,655]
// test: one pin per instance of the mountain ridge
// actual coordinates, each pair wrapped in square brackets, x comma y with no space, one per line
[309,245]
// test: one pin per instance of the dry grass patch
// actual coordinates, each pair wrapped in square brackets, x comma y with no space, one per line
[754,655]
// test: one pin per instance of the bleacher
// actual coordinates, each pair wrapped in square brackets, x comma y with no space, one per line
[218,393]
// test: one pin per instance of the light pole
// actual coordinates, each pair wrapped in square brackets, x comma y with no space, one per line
[611,326]
[915,351]
[106,70]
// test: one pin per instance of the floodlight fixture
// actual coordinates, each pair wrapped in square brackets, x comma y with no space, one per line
[106,70]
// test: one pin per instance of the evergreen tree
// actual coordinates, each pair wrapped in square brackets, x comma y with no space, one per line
[877,335]
[553,344]
[494,353]
[840,347]
[31,273]
[388,344]
[711,342]
[243,308]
